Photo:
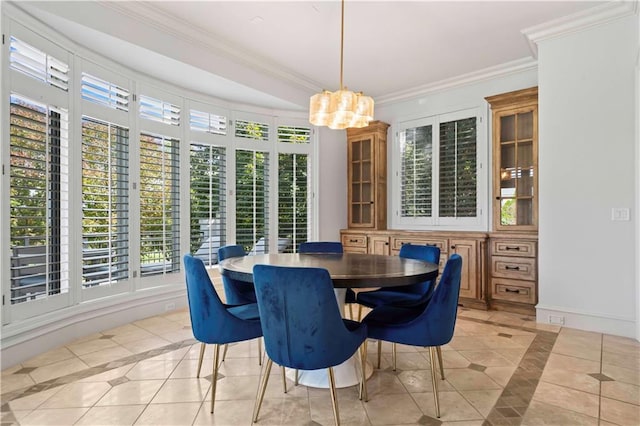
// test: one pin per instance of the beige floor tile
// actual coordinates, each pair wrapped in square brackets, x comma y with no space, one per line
[105,355]
[138,346]
[500,375]
[239,367]
[294,411]
[417,381]
[453,359]
[512,354]
[237,388]
[621,391]
[472,343]
[475,313]
[120,415]
[152,369]
[453,406]
[133,392]
[483,401]
[574,400]
[89,346]
[9,371]
[464,423]
[178,414]
[57,369]
[630,361]
[12,382]
[467,379]
[542,326]
[176,336]
[77,395]
[570,363]
[571,379]
[541,414]
[351,411]
[226,413]
[188,368]
[131,334]
[394,409]
[408,360]
[618,412]
[619,344]
[53,416]
[182,390]
[486,358]
[622,374]
[499,342]
[384,382]
[49,357]
[109,375]
[32,402]
[178,354]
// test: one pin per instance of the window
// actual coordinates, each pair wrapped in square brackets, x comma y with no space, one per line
[104,93]
[159,111]
[105,202]
[159,205]
[252,130]
[39,200]
[208,122]
[38,65]
[296,135]
[293,199]
[208,201]
[252,200]
[437,171]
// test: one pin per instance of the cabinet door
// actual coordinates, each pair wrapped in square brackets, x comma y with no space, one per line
[361,196]
[379,245]
[467,249]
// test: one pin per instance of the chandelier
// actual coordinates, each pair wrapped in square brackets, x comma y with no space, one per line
[343,108]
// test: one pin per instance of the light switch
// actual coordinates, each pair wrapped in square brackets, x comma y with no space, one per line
[619,213]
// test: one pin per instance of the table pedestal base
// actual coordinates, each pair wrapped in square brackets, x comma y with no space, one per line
[346,374]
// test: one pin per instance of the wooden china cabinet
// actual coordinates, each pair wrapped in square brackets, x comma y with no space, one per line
[514,240]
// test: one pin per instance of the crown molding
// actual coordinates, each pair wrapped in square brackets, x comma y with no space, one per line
[145,13]
[505,69]
[595,16]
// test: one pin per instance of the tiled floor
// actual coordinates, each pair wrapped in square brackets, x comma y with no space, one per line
[500,369]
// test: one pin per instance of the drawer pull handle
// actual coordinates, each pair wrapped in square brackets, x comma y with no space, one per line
[353,241]
[509,290]
[517,248]
[512,268]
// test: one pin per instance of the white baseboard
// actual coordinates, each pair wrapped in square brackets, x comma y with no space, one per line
[21,341]
[586,321]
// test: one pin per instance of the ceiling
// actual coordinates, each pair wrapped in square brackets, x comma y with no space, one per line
[277,53]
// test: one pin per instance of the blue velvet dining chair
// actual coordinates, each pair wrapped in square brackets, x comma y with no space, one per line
[329,247]
[302,325]
[430,326]
[212,321]
[407,295]
[236,292]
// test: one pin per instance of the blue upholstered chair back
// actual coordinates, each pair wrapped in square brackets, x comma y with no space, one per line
[236,292]
[301,322]
[321,247]
[427,254]
[431,326]
[210,320]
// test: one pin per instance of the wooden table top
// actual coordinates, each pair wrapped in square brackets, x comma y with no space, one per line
[346,270]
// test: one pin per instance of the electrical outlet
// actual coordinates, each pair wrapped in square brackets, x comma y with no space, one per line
[620,214]
[556,320]
[169,306]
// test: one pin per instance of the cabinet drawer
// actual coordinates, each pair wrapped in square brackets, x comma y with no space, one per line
[354,240]
[348,249]
[398,242]
[513,290]
[519,268]
[514,248]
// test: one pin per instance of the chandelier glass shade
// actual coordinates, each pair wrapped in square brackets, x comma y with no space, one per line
[343,108]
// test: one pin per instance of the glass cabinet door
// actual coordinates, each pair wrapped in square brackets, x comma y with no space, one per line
[516,146]
[361,202]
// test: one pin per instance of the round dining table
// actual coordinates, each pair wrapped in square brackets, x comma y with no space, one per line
[347,270]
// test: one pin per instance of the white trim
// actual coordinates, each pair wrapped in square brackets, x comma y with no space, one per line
[583,20]
[489,73]
[590,321]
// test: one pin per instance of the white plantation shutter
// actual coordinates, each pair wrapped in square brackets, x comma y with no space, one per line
[208,201]
[105,202]
[293,193]
[200,121]
[251,130]
[294,135]
[159,204]
[104,93]
[39,200]
[458,168]
[416,168]
[159,111]
[252,200]
[37,64]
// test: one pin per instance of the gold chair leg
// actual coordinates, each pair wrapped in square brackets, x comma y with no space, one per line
[364,396]
[334,399]
[432,359]
[263,386]
[259,350]
[394,355]
[214,377]
[202,346]
[439,351]
[350,310]
[379,352]
[296,380]
[224,352]
[359,312]
[284,380]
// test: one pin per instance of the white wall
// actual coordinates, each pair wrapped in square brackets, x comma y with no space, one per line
[587,166]
[332,183]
